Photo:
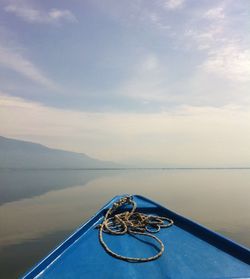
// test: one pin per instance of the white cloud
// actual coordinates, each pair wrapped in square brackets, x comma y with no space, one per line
[152,83]
[150,63]
[206,38]
[227,53]
[56,14]
[158,21]
[216,13]
[231,62]
[31,14]
[147,83]
[17,62]
[174,4]
[190,136]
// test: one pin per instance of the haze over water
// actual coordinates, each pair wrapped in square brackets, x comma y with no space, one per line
[38,209]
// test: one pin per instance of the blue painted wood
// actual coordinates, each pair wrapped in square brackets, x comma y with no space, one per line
[191,251]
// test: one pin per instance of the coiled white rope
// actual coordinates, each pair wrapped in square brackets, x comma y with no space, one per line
[132,222]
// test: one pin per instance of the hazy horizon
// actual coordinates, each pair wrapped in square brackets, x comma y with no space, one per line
[13,145]
[162,83]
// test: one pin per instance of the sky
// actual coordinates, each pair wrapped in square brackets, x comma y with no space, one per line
[149,83]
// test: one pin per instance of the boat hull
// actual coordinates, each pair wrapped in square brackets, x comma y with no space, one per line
[191,251]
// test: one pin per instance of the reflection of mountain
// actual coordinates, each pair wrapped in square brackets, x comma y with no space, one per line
[22,154]
[20,184]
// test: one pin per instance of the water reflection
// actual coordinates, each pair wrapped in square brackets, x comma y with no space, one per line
[20,184]
[36,220]
[27,254]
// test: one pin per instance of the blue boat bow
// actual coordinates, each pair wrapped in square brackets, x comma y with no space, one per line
[191,251]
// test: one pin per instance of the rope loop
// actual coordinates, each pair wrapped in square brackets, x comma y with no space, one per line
[132,222]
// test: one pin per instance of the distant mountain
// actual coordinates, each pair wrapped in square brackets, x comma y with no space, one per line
[23,154]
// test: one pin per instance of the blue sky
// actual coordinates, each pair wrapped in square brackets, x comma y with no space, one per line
[169,62]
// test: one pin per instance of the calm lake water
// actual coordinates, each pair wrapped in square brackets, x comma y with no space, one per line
[38,209]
